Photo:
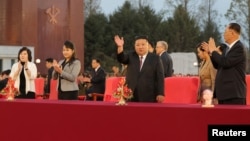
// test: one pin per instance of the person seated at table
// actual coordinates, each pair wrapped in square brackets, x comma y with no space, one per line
[5,78]
[124,70]
[81,91]
[116,71]
[207,72]
[83,86]
[50,69]
[97,80]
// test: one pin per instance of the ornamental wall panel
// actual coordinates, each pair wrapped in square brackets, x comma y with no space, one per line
[44,25]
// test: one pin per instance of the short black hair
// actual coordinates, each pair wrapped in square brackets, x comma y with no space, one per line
[50,60]
[236,27]
[141,37]
[6,72]
[151,43]
[97,60]
[28,52]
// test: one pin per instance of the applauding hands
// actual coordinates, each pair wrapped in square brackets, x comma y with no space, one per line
[210,46]
[57,67]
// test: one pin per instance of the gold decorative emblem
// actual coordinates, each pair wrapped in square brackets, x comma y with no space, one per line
[53,12]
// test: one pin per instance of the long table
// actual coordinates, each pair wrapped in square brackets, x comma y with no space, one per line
[55,120]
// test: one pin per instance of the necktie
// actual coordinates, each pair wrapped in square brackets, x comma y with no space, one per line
[227,50]
[141,57]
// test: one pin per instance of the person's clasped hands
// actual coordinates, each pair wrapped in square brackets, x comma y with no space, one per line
[210,46]
[57,67]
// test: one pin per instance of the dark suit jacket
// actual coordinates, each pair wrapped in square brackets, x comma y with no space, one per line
[230,80]
[149,81]
[98,81]
[3,83]
[49,77]
[167,63]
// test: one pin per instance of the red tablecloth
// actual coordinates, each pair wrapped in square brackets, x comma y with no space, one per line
[45,120]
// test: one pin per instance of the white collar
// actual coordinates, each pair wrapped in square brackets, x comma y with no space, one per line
[162,52]
[144,56]
[97,68]
[232,44]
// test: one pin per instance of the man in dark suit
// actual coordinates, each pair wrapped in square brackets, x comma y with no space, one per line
[5,77]
[97,80]
[49,66]
[144,71]
[167,62]
[230,82]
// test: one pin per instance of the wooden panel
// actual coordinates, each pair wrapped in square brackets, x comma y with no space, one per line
[10,22]
[52,36]
[76,26]
[68,25]
[28,23]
